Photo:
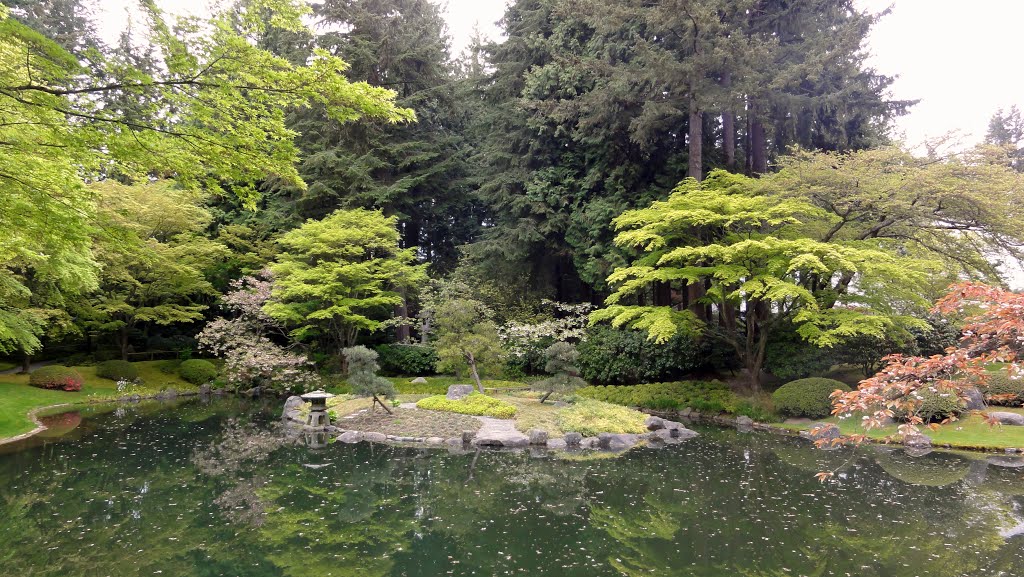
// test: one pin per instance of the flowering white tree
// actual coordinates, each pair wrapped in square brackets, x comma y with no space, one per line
[251,357]
[561,322]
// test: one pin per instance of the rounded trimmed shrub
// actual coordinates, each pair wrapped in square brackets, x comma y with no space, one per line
[197,371]
[56,377]
[117,370]
[1002,390]
[937,405]
[810,398]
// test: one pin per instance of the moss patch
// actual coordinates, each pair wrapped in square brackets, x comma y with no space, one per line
[410,423]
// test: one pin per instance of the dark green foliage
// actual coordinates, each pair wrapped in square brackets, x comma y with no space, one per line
[625,357]
[56,377]
[362,373]
[1003,390]
[117,370]
[170,366]
[788,356]
[398,359]
[703,396]
[197,371]
[561,365]
[808,398]
[935,405]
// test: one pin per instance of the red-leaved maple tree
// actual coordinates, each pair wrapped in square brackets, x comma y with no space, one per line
[993,331]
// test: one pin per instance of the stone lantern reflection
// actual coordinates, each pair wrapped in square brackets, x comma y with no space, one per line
[318,417]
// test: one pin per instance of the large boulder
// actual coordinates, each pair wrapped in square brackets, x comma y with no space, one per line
[456,392]
[744,421]
[419,381]
[975,401]
[917,441]
[291,409]
[1007,418]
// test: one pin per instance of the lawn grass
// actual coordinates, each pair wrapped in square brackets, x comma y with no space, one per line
[970,432]
[17,398]
[532,414]
[7,365]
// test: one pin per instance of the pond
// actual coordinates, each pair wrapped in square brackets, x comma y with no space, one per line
[213,490]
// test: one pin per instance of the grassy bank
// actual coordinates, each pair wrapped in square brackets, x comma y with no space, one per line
[970,432]
[17,398]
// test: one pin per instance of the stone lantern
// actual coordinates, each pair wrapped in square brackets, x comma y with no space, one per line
[318,417]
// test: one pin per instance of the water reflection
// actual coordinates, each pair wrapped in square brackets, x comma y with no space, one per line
[216,489]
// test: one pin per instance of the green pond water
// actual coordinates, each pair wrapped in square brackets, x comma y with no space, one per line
[214,490]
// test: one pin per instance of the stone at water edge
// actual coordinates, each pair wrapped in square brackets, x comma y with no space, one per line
[467,437]
[654,423]
[375,437]
[573,440]
[456,392]
[537,436]
[351,437]
[1007,418]
[557,444]
[744,421]
[918,441]
[419,381]
[824,432]
[433,441]
[204,390]
[291,409]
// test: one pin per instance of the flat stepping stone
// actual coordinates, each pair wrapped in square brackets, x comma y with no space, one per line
[407,406]
[499,433]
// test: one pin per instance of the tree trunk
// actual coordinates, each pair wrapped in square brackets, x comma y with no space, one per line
[662,294]
[729,129]
[758,143]
[473,372]
[382,405]
[26,363]
[122,341]
[696,137]
[545,397]
[403,332]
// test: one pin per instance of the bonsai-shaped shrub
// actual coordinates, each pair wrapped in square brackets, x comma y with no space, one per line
[117,370]
[363,378]
[932,404]
[561,365]
[809,398]
[56,377]
[197,371]
[1001,389]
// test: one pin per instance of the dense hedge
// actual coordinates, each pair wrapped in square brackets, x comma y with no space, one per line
[56,377]
[473,404]
[625,357]
[810,398]
[117,370]
[1002,390]
[397,359]
[704,396]
[197,371]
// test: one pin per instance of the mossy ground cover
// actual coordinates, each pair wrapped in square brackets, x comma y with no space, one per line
[970,432]
[17,398]
[410,423]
